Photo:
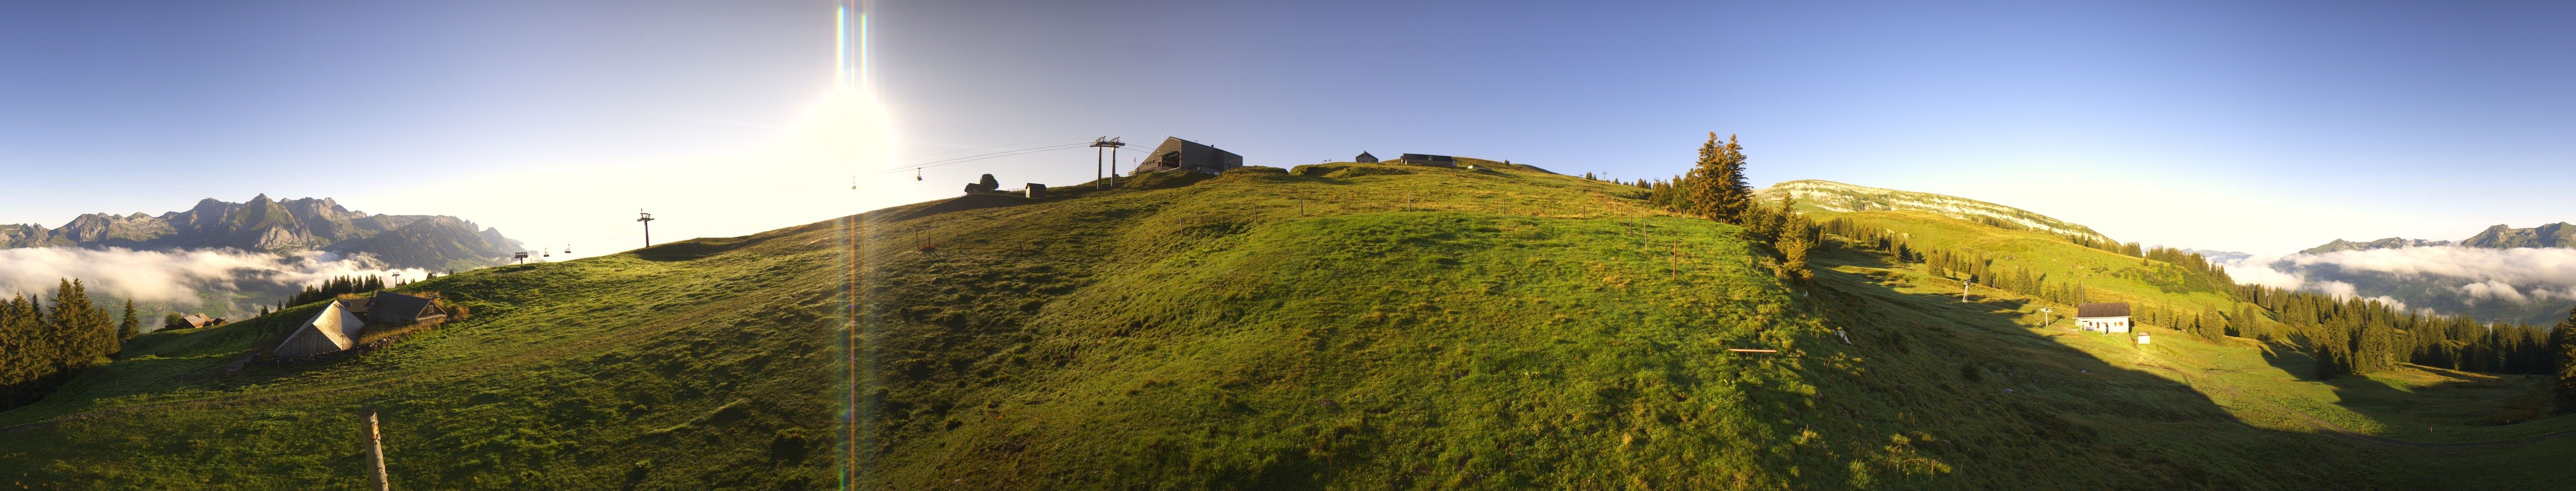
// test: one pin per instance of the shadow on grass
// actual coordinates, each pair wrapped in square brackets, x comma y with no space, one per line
[2095,418]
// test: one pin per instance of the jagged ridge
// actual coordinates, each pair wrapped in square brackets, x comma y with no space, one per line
[263,224]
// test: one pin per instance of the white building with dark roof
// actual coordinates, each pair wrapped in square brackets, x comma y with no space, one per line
[2103,316]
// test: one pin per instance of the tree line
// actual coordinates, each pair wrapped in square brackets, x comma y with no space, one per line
[334,288]
[46,345]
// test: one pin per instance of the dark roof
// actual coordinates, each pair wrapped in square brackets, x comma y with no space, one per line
[2103,309]
[1365,157]
[390,306]
[1434,158]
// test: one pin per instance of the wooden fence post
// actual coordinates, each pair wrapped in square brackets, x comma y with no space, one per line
[375,451]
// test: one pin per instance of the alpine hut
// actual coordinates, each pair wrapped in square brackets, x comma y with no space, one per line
[1365,158]
[334,329]
[2103,316]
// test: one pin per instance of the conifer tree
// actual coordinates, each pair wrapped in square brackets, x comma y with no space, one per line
[1704,182]
[130,326]
[2562,352]
[1735,194]
[1795,242]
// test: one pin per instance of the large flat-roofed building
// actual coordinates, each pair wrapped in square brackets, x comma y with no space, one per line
[1178,154]
[1430,160]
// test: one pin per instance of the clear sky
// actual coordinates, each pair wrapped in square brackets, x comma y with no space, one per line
[2263,127]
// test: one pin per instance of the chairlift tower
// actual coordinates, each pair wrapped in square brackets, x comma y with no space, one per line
[647,218]
[1099,171]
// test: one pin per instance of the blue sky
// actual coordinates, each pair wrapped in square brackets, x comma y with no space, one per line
[2263,127]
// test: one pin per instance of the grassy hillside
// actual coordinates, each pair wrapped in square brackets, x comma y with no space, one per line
[2462,428]
[1347,326]
[637,370]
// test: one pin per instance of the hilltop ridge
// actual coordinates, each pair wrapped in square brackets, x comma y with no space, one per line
[1840,197]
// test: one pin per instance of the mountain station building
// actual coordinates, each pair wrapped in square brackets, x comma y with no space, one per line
[1430,160]
[1178,154]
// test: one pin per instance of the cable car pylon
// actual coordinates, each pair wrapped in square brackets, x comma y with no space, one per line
[1099,168]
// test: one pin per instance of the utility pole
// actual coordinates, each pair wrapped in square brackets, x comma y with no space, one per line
[374,441]
[1099,171]
[647,218]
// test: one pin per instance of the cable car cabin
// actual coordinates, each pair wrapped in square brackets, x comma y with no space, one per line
[2107,317]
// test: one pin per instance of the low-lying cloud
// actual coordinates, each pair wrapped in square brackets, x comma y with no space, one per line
[2517,266]
[2518,275]
[175,276]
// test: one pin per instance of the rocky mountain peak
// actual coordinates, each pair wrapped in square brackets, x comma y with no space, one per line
[267,224]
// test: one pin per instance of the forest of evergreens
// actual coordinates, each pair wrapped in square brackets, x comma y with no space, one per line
[334,288]
[47,344]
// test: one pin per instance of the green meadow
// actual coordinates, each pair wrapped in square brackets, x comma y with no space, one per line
[1340,326]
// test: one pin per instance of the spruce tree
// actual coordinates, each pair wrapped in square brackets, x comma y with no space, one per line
[1796,240]
[1704,182]
[1735,196]
[130,326]
[1717,189]
[2562,353]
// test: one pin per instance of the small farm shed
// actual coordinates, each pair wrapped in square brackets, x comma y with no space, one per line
[2103,316]
[1365,158]
[333,329]
[196,320]
[1430,160]
[1178,154]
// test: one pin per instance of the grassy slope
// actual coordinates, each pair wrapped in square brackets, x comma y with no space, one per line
[1360,326]
[593,374]
[2271,385]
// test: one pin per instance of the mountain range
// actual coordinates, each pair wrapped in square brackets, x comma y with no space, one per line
[267,225]
[2500,236]
[2481,295]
